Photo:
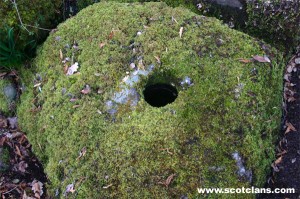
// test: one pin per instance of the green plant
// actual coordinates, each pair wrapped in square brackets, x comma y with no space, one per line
[12,55]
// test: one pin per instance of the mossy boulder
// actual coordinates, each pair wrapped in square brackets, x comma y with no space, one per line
[87,119]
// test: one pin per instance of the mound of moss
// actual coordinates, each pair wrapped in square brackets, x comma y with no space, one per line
[212,121]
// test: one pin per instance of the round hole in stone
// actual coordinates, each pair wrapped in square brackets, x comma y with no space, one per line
[159,95]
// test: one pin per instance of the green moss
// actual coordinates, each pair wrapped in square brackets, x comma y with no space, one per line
[227,108]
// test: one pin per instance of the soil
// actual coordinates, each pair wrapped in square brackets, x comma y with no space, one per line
[286,169]
[24,177]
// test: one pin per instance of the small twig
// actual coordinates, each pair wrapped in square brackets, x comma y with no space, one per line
[10,190]
[19,16]
[21,22]
[37,27]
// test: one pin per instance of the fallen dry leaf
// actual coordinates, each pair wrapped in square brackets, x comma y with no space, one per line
[66,67]
[173,19]
[244,60]
[76,106]
[82,152]
[3,74]
[22,166]
[111,35]
[13,122]
[3,122]
[180,32]
[72,69]
[18,152]
[168,180]
[70,189]
[291,99]
[262,59]
[106,187]
[61,56]
[275,168]
[289,128]
[37,188]
[157,59]
[73,99]
[278,160]
[102,44]
[86,90]
[281,153]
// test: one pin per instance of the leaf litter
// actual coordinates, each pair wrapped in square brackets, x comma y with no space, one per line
[23,176]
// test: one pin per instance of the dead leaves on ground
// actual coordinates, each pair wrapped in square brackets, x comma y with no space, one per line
[289,128]
[18,180]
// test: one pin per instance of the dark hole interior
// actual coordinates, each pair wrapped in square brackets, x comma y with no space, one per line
[159,95]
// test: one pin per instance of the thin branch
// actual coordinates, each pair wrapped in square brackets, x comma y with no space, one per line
[19,16]
[10,190]
[37,27]
[20,19]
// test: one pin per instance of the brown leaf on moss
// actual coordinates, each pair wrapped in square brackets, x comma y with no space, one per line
[102,44]
[168,180]
[262,59]
[180,32]
[82,152]
[76,106]
[111,35]
[66,67]
[244,60]
[157,59]
[86,90]
[106,187]
[61,56]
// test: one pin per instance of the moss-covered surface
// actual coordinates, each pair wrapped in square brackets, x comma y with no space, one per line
[229,108]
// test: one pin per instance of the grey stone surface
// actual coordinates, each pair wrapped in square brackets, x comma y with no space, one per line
[10,92]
